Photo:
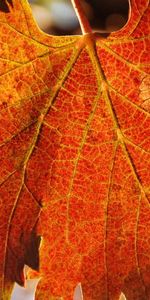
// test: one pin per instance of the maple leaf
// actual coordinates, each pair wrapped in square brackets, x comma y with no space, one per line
[75,156]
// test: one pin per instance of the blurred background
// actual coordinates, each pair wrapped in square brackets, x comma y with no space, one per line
[58,17]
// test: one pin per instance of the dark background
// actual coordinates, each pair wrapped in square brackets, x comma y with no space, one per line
[104,15]
[102,9]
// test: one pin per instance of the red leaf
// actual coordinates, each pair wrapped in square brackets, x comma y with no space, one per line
[75,157]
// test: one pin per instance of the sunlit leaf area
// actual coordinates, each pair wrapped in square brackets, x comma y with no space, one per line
[58,17]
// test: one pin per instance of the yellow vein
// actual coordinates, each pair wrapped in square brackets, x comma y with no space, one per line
[31,38]
[29,153]
[136,146]
[125,40]
[83,141]
[30,192]
[125,98]
[22,173]
[116,124]
[136,246]
[7,177]
[10,60]
[45,54]
[26,63]
[121,58]
[139,20]
[17,133]
[121,140]
[134,171]
[106,211]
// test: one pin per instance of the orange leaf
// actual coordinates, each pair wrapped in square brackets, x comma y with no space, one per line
[75,157]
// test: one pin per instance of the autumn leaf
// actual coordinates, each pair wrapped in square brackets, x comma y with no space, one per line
[75,156]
